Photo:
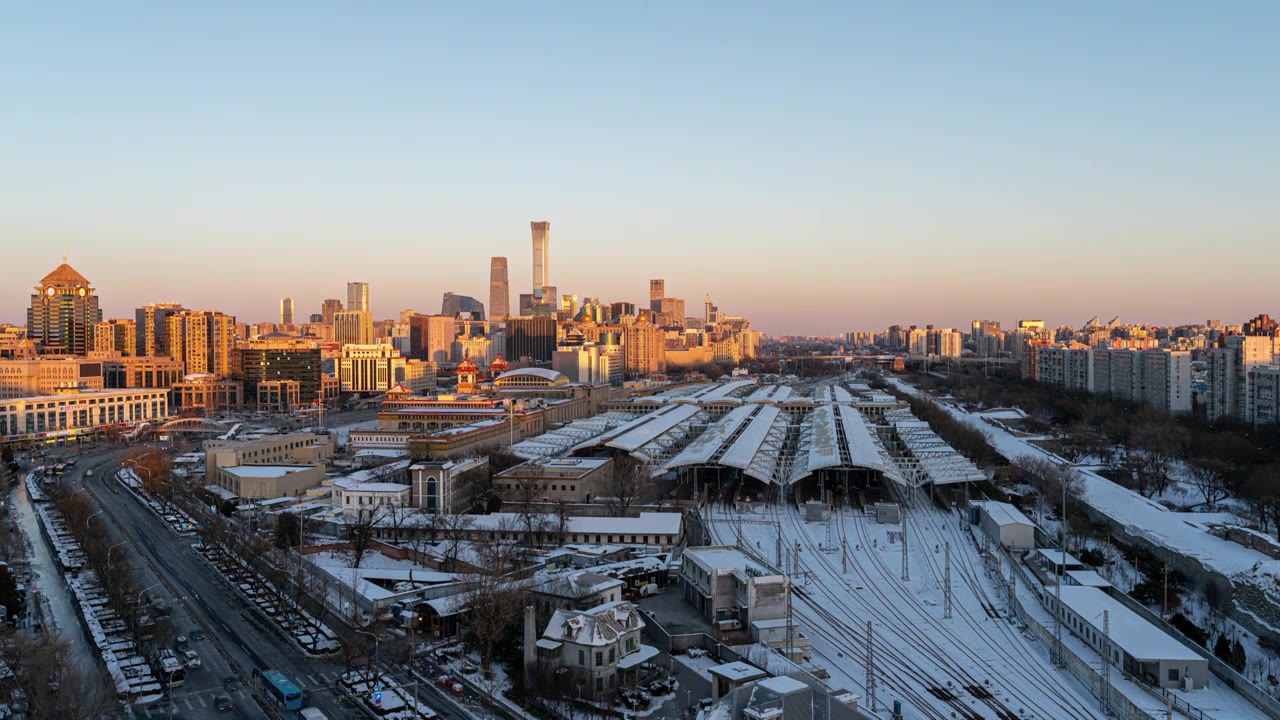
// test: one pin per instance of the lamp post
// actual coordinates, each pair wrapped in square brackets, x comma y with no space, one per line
[86,520]
[110,550]
[375,647]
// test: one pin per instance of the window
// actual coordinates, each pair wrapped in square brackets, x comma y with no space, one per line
[1173,674]
[582,658]
[599,657]
[612,657]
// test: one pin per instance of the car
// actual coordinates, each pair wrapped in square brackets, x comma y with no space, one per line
[181,640]
[191,659]
[223,703]
[450,684]
[231,683]
[197,635]
[631,595]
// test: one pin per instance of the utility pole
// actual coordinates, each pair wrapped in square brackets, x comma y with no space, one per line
[946,613]
[1106,662]
[1164,606]
[778,528]
[844,553]
[871,668]
[1060,660]
[906,563]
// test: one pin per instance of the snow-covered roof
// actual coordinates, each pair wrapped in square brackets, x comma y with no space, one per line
[264,471]
[348,485]
[581,584]
[1088,578]
[738,671]
[598,626]
[717,559]
[655,425]
[1004,514]
[782,685]
[222,492]
[1130,632]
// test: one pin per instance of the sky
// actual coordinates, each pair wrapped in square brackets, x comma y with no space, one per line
[816,167]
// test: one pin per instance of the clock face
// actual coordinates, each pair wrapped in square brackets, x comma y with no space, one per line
[50,292]
[82,292]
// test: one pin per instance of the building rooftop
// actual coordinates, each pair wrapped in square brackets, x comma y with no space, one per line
[1005,514]
[738,672]
[1131,633]
[264,471]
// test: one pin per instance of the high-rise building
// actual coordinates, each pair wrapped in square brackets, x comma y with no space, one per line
[431,337]
[620,310]
[499,290]
[358,296]
[116,336]
[280,358]
[569,304]
[151,321]
[657,291]
[541,256]
[454,305]
[671,312]
[329,308]
[204,340]
[1231,374]
[286,311]
[531,337]
[353,327]
[316,318]
[644,349]
[63,311]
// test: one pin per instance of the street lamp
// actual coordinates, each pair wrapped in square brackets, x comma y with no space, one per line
[86,520]
[375,647]
[109,550]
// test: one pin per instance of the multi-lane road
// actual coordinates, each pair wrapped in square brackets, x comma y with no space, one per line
[239,638]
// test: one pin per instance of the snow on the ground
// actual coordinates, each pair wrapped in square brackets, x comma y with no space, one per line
[344,431]
[916,649]
[1185,532]
[700,665]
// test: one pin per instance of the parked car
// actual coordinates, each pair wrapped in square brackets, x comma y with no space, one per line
[631,595]
[450,684]
[197,635]
[223,703]
[191,658]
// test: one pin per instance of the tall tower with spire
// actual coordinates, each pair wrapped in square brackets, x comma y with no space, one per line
[63,311]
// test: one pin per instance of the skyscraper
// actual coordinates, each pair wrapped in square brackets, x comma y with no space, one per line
[431,337]
[499,290]
[118,336]
[358,296]
[286,311]
[329,308]
[541,256]
[63,312]
[657,291]
[151,321]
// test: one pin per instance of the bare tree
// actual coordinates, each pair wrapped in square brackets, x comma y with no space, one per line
[627,479]
[454,532]
[1210,476]
[56,688]
[361,531]
[494,603]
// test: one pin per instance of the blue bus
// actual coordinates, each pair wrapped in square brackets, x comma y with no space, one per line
[281,689]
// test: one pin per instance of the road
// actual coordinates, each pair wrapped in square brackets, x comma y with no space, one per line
[240,638]
[47,583]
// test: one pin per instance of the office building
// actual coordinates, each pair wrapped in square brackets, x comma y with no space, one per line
[431,338]
[151,321]
[207,394]
[353,327]
[499,289]
[369,368]
[620,310]
[204,340]
[670,312]
[1264,390]
[32,375]
[569,306]
[454,305]
[541,256]
[358,296]
[657,291]
[286,311]
[116,336]
[62,314]
[328,309]
[68,415]
[531,337]
[280,358]
[141,372]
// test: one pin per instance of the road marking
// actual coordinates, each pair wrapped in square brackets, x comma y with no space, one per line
[313,679]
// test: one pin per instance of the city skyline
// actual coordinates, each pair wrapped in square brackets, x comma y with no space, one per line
[866,166]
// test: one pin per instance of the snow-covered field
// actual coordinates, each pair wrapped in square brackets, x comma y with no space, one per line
[974,664]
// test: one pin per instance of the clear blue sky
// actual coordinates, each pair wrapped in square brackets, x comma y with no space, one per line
[816,167]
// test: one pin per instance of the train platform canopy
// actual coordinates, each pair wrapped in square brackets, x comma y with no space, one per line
[564,439]
[929,457]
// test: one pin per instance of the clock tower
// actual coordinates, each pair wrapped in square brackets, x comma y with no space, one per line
[63,312]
